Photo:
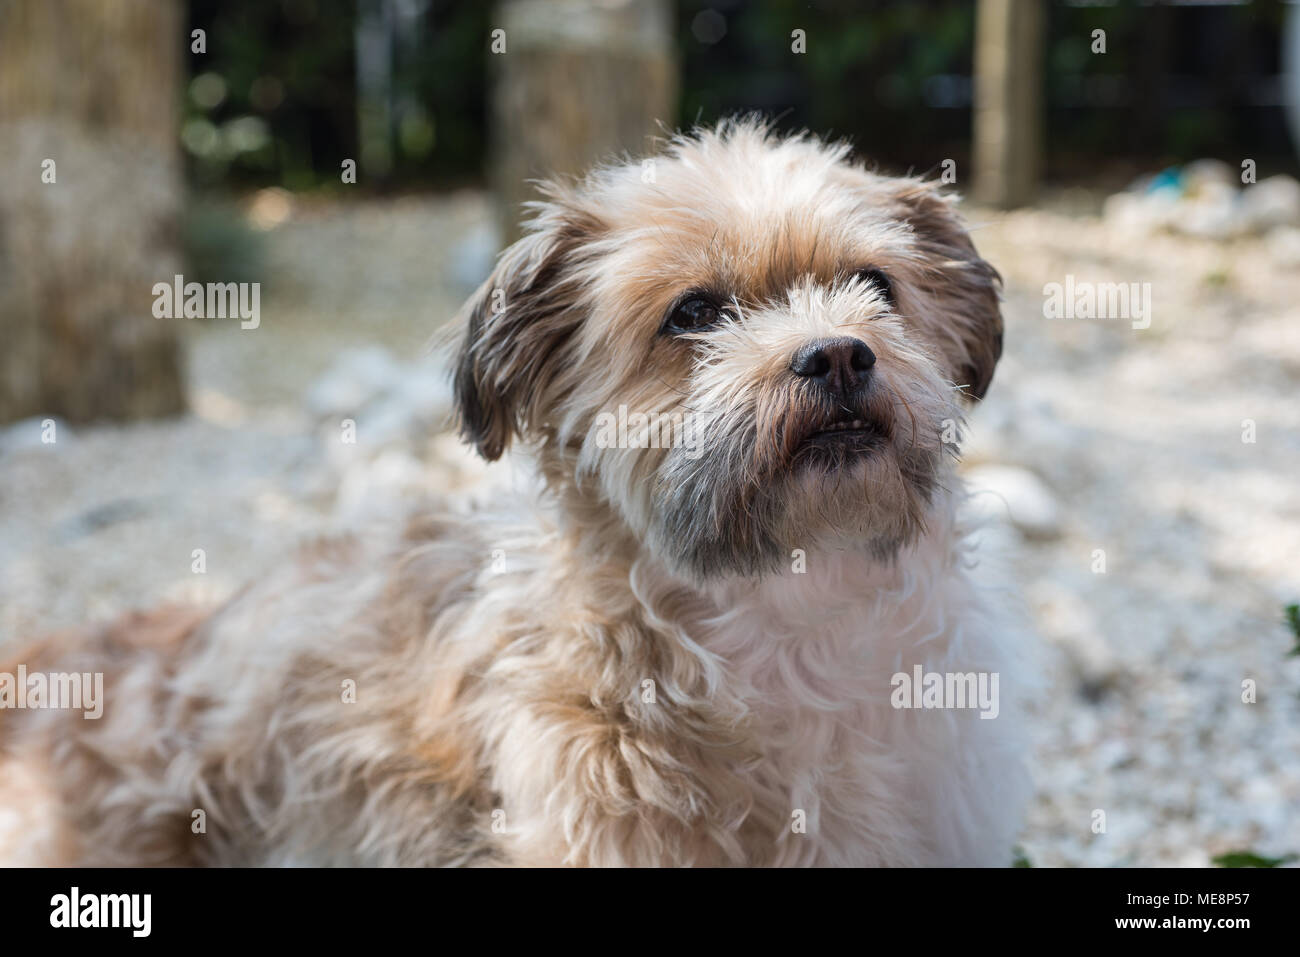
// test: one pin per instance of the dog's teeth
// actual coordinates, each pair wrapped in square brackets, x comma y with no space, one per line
[842,426]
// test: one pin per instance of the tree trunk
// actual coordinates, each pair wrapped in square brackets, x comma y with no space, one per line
[578,81]
[88,96]
[1008,149]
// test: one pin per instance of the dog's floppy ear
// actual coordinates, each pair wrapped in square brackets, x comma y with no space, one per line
[516,325]
[966,287]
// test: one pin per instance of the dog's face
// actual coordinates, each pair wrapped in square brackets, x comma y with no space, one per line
[744,346]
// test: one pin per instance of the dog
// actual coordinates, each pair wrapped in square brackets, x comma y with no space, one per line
[674,653]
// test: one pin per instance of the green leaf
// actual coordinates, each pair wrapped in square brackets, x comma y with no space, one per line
[1293,622]
[1251,859]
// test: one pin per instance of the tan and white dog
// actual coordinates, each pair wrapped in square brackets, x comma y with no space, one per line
[693,653]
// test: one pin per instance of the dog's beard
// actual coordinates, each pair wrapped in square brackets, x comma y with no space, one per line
[795,470]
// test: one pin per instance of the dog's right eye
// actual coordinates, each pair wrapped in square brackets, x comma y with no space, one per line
[692,315]
[874,277]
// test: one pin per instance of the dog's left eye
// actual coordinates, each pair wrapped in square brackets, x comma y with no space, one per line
[692,315]
[878,279]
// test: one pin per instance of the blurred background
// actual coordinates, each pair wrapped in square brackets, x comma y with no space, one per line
[362,162]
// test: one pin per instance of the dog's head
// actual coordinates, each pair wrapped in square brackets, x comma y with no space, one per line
[743,346]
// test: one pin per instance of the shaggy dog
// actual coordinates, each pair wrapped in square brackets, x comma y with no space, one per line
[693,643]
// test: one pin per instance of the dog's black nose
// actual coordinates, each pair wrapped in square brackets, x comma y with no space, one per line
[841,365]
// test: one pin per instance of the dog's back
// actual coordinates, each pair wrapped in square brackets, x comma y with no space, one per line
[59,769]
[267,731]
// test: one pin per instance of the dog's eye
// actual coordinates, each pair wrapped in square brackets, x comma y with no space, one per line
[692,315]
[878,279]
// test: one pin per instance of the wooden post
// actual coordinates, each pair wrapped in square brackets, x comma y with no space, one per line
[1008,101]
[576,81]
[374,55]
[90,193]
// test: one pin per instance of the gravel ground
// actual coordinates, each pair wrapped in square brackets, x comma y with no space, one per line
[1096,438]
[1138,435]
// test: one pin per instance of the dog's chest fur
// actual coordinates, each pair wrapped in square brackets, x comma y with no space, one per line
[769,737]
[814,652]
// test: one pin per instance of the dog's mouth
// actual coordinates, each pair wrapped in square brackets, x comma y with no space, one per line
[850,435]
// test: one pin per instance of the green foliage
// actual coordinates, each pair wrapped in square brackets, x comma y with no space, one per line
[900,67]
[286,70]
[1175,83]
[1251,859]
[219,245]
